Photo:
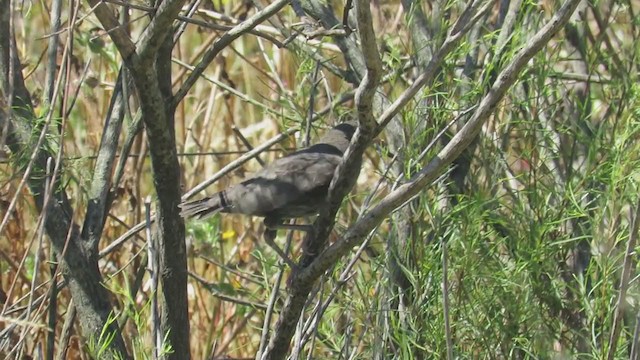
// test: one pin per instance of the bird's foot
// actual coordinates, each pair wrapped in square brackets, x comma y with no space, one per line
[277,224]
[269,238]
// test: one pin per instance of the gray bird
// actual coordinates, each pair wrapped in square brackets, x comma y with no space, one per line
[290,187]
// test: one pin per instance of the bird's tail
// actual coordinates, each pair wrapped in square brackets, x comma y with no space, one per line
[202,208]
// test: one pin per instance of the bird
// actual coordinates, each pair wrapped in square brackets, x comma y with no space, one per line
[291,187]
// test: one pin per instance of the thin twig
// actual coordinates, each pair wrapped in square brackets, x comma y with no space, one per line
[445,300]
[65,336]
[216,293]
[624,281]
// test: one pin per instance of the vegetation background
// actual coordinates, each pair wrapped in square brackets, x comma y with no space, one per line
[503,189]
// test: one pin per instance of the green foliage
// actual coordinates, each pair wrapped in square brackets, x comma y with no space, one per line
[99,348]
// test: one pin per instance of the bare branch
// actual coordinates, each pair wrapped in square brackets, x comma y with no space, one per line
[116,31]
[436,166]
[345,176]
[99,189]
[154,35]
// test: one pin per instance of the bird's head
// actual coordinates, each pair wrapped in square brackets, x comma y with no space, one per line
[340,135]
[347,128]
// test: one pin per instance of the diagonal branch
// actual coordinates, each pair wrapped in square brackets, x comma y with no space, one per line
[116,31]
[345,176]
[438,164]
[465,22]
[153,37]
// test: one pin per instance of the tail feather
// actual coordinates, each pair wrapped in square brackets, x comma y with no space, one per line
[202,208]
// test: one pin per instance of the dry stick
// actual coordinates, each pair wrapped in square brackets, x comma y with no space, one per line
[53,307]
[636,338]
[246,143]
[191,9]
[297,338]
[36,264]
[240,274]
[216,293]
[133,130]
[65,336]
[624,282]
[266,324]
[10,83]
[6,103]
[68,108]
[312,101]
[52,49]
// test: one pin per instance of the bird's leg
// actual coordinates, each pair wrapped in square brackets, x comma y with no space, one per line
[276,223]
[296,227]
[269,238]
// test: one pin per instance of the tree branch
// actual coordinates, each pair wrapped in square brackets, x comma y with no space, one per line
[116,31]
[160,26]
[345,177]
[438,164]
[100,183]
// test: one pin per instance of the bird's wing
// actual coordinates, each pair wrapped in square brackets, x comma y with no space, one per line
[286,181]
[306,170]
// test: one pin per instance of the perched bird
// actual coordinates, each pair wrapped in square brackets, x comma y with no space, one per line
[290,187]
